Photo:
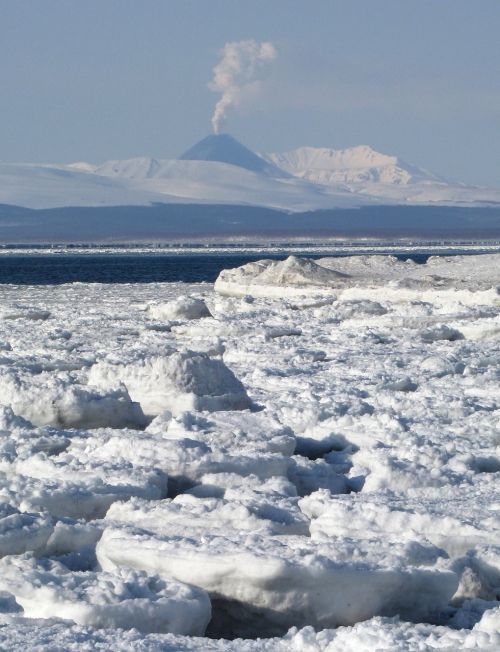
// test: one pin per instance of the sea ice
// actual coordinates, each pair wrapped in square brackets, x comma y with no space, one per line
[47,400]
[21,531]
[323,452]
[228,431]
[122,598]
[438,515]
[277,581]
[179,309]
[183,381]
[296,276]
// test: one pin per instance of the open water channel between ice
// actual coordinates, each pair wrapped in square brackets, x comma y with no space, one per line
[304,456]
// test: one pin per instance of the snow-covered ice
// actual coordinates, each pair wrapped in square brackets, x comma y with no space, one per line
[179,309]
[122,599]
[270,583]
[182,381]
[351,274]
[313,447]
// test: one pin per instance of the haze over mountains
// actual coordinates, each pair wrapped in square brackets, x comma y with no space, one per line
[220,170]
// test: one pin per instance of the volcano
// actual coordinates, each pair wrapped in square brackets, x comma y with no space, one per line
[223,148]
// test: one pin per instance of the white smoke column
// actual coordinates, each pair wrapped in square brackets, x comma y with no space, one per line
[235,76]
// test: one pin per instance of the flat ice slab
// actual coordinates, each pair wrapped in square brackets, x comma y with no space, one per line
[276,581]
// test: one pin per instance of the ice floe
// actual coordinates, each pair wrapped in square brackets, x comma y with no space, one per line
[180,309]
[185,380]
[313,447]
[122,599]
[276,582]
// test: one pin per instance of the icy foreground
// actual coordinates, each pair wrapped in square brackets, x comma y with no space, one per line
[309,455]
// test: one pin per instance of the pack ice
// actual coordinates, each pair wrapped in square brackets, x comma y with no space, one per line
[304,458]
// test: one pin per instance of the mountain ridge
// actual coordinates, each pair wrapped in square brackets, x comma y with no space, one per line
[358,164]
[304,179]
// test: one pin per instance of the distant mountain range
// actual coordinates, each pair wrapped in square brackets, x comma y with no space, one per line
[220,170]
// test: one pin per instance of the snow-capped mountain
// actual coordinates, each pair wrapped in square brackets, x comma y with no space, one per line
[226,149]
[352,166]
[364,172]
[220,170]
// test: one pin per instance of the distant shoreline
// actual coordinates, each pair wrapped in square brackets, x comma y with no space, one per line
[163,224]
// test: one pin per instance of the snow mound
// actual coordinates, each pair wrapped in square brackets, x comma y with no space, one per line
[232,486]
[441,332]
[74,485]
[10,422]
[122,598]
[183,381]
[277,278]
[468,279]
[129,463]
[20,532]
[47,400]
[17,311]
[480,573]
[180,309]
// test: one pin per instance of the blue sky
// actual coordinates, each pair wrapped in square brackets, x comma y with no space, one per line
[99,79]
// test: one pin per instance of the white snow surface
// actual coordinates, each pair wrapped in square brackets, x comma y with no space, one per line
[179,309]
[185,380]
[363,171]
[307,178]
[130,182]
[123,599]
[317,465]
[349,166]
[356,276]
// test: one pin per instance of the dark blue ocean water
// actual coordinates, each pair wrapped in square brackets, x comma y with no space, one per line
[53,269]
[40,269]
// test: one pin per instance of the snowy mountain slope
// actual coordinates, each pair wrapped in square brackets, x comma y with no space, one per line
[427,193]
[144,181]
[313,178]
[219,170]
[215,182]
[355,165]
[226,149]
[363,171]
[45,186]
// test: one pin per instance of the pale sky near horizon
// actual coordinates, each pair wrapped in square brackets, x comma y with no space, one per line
[102,79]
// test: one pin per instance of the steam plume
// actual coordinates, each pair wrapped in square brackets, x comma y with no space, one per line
[235,76]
